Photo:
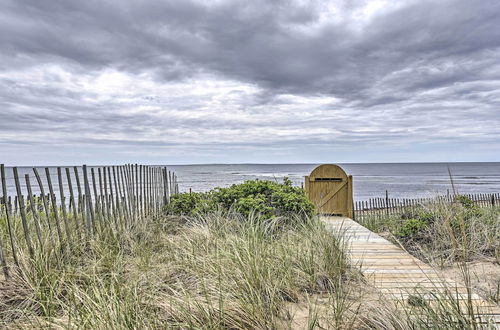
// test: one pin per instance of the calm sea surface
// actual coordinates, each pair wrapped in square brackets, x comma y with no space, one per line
[370,180]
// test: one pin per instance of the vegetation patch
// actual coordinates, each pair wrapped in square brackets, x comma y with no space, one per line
[443,233]
[214,270]
[223,267]
[267,198]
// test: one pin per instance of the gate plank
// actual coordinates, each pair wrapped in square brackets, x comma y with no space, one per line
[332,193]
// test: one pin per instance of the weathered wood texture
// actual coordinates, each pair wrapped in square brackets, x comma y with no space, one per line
[85,211]
[397,274]
[384,206]
[329,188]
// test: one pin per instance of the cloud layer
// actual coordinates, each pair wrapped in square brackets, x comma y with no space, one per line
[238,81]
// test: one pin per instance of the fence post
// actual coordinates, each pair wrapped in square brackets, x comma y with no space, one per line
[81,204]
[54,206]
[72,200]
[2,254]
[34,210]
[63,204]
[387,202]
[22,212]
[88,197]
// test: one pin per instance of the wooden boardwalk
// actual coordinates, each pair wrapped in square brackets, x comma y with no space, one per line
[399,275]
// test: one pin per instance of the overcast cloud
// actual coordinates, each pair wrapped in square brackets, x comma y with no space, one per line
[249,81]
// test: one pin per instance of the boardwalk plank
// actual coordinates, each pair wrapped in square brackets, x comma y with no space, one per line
[397,274]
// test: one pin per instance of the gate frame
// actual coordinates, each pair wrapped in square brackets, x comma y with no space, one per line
[350,203]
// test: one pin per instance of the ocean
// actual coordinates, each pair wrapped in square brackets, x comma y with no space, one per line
[401,180]
[404,180]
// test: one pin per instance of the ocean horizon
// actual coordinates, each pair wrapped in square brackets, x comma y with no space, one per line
[400,180]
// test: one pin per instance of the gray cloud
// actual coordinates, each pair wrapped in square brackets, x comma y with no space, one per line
[265,75]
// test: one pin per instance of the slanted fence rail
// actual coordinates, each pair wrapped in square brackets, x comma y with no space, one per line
[386,206]
[76,202]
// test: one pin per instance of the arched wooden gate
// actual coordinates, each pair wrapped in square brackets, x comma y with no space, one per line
[330,189]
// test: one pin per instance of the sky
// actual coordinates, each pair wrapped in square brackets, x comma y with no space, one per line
[182,82]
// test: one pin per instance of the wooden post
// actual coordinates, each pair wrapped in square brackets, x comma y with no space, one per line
[2,251]
[136,184]
[104,194]
[81,204]
[387,202]
[44,198]
[165,188]
[151,189]
[34,211]
[112,198]
[131,182]
[129,176]
[176,185]
[9,202]
[168,185]
[167,178]
[118,199]
[97,208]
[54,205]
[141,184]
[72,201]
[121,190]
[63,204]
[350,206]
[148,189]
[126,192]
[152,192]
[16,203]
[155,192]
[160,188]
[88,198]
[147,196]
[102,202]
[22,211]
[8,215]
[171,187]
[106,197]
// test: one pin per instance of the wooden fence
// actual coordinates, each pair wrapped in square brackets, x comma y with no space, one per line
[397,206]
[77,202]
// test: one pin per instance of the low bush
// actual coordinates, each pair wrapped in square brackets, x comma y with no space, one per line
[412,228]
[465,201]
[472,210]
[268,198]
[188,204]
[443,232]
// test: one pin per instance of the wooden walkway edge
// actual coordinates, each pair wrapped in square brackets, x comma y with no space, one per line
[397,274]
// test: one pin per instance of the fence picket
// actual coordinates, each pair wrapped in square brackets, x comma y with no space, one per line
[63,204]
[34,211]
[54,205]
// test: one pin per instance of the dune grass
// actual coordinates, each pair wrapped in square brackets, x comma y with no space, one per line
[442,233]
[453,237]
[212,271]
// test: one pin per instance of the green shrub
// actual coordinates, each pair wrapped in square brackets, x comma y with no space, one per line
[411,228]
[427,216]
[472,210]
[466,202]
[188,204]
[268,198]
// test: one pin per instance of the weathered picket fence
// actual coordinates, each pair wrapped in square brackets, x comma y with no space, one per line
[77,202]
[396,206]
